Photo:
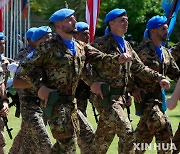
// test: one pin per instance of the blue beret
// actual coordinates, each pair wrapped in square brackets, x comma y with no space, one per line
[81,26]
[156,22]
[106,30]
[146,33]
[1,36]
[40,32]
[61,15]
[114,14]
[30,32]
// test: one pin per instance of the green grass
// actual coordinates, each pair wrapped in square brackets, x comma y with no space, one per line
[174,117]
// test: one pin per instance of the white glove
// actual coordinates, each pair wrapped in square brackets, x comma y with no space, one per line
[12,67]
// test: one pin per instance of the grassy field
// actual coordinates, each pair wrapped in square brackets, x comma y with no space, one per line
[174,117]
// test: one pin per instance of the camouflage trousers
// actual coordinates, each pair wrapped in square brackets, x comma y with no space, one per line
[86,135]
[153,123]
[82,105]
[33,137]
[176,140]
[2,137]
[112,121]
[64,126]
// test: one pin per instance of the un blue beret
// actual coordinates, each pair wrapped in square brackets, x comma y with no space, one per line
[30,32]
[40,32]
[106,32]
[114,14]
[1,36]
[146,33]
[61,15]
[81,26]
[156,22]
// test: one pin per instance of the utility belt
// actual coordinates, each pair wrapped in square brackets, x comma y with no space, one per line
[53,98]
[152,95]
[108,91]
[146,101]
[65,99]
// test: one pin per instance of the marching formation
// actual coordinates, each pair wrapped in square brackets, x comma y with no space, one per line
[57,74]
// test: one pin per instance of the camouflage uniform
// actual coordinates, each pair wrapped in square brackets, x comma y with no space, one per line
[175,51]
[2,136]
[154,121]
[86,135]
[176,140]
[54,66]
[113,120]
[33,136]
[82,94]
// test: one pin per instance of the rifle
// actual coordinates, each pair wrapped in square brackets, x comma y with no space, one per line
[5,120]
[94,111]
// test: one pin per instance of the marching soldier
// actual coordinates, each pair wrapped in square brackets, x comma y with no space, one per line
[4,101]
[33,136]
[113,119]
[153,120]
[82,95]
[55,69]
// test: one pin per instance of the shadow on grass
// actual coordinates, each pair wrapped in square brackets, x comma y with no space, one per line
[176,116]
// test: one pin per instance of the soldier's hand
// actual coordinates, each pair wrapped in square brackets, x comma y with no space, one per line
[43,93]
[137,94]
[4,111]
[96,88]
[165,84]
[124,57]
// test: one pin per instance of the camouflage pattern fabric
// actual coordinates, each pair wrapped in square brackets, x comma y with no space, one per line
[33,136]
[82,94]
[53,65]
[114,120]
[175,51]
[154,121]
[5,62]
[2,136]
[86,134]
[176,140]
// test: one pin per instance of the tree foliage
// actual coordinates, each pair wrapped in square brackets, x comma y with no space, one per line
[138,11]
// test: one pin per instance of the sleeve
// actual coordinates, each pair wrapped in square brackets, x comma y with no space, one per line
[98,58]
[173,71]
[143,72]
[33,67]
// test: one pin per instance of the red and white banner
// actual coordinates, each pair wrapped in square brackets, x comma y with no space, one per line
[92,12]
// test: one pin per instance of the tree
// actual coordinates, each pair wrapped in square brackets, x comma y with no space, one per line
[139,12]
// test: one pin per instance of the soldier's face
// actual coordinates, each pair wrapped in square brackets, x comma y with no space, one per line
[44,38]
[68,25]
[83,36]
[2,46]
[120,24]
[162,32]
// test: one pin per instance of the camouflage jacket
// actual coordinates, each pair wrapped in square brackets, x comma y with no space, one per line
[149,57]
[53,65]
[176,53]
[2,75]
[116,76]
[21,56]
